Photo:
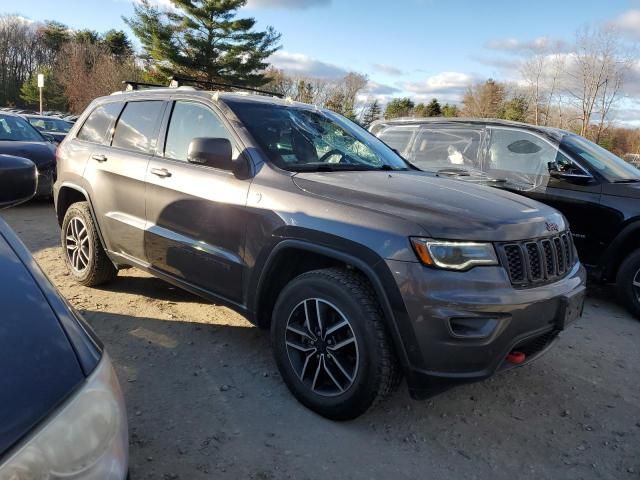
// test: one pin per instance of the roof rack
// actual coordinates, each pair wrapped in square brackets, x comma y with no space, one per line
[130,85]
[178,81]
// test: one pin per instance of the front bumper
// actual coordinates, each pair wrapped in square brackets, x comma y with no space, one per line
[464,324]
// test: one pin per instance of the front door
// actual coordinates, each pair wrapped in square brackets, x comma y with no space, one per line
[196,215]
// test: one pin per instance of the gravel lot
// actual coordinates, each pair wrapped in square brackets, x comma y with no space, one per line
[204,399]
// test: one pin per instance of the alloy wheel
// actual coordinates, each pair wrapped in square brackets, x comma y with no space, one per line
[636,284]
[77,244]
[322,347]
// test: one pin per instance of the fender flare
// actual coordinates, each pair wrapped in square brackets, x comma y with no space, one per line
[380,277]
[85,194]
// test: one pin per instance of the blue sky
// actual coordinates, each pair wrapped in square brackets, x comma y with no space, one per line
[423,48]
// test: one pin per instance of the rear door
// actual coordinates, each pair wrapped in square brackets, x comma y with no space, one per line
[117,175]
[196,215]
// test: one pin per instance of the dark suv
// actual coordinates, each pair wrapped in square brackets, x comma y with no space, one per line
[598,192]
[362,266]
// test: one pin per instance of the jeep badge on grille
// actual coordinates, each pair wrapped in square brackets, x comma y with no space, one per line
[551,227]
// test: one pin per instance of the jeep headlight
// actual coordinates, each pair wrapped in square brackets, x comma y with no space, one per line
[454,255]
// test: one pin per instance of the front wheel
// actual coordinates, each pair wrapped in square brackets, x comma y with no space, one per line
[628,283]
[330,343]
[84,256]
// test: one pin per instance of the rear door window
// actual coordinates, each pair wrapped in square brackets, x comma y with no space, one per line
[137,128]
[96,127]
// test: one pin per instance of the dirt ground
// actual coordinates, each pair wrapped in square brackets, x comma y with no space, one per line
[205,401]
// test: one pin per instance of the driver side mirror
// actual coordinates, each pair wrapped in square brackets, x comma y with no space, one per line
[18,180]
[212,152]
[578,178]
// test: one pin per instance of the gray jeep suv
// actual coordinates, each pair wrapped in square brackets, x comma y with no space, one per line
[363,267]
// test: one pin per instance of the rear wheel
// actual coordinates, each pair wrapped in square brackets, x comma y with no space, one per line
[84,256]
[628,283]
[330,343]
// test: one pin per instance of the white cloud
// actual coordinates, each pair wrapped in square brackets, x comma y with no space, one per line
[628,23]
[301,64]
[514,45]
[297,4]
[445,85]
[375,88]
[387,69]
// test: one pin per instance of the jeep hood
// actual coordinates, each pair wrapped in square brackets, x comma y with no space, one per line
[447,209]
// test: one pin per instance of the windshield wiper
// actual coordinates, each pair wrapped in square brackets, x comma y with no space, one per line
[344,167]
[627,180]
[453,171]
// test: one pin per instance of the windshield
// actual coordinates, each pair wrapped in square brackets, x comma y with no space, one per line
[436,149]
[302,139]
[18,130]
[50,124]
[610,166]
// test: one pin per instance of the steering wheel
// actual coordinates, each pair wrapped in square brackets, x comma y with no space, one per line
[330,153]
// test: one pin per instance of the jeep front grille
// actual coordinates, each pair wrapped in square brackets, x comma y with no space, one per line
[538,261]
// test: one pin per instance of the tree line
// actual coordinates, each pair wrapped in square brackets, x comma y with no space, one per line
[203,39]
[576,87]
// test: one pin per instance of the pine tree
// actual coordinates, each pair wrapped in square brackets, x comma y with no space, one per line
[53,97]
[450,110]
[371,113]
[399,107]
[204,39]
[433,108]
[420,110]
[118,43]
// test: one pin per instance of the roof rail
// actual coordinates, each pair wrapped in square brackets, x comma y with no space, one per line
[130,85]
[178,81]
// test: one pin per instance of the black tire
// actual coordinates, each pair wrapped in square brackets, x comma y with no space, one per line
[99,269]
[629,272]
[345,295]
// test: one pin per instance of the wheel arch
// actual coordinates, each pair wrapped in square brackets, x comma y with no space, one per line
[293,257]
[627,240]
[67,195]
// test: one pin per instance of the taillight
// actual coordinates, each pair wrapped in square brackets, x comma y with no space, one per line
[57,152]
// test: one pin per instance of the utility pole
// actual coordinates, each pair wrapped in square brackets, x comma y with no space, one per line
[40,87]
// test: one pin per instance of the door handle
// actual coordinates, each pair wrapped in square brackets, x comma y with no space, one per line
[99,158]
[161,172]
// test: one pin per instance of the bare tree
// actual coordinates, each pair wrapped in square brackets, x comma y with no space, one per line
[532,72]
[87,71]
[483,100]
[596,75]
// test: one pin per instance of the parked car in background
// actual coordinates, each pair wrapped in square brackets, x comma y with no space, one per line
[19,138]
[62,413]
[598,192]
[54,127]
[361,266]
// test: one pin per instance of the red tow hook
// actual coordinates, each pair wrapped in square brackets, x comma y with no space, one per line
[516,357]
